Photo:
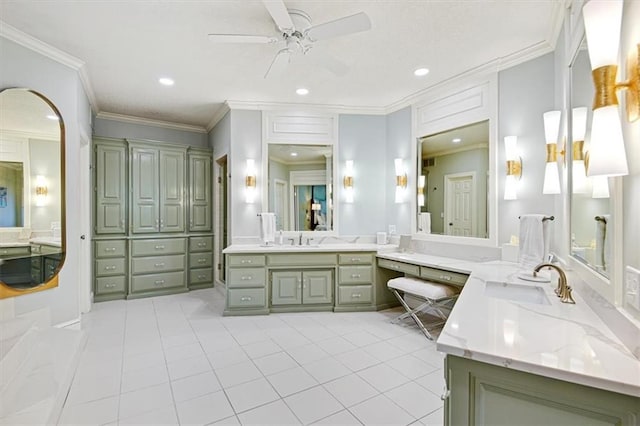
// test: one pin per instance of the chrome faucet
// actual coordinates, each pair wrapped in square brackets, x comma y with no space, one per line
[563,291]
[300,239]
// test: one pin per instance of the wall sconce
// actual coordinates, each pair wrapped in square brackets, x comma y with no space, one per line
[41,191]
[579,180]
[600,187]
[514,167]
[603,21]
[348,181]
[421,183]
[551,130]
[250,182]
[401,180]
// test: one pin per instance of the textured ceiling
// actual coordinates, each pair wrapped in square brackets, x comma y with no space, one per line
[127,45]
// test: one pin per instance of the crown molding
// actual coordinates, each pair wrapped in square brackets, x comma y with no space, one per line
[21,135]
[465,148]
[149,122]
[218,115]
[326,108]
[53,53]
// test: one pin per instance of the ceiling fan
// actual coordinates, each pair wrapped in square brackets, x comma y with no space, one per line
[296,36]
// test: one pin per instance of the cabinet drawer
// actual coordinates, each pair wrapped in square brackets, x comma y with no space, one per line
[246,260]
[355,274]
[247,298]
[144,265]
[158,247]
[198,276]
[446,277]
[36,262]
[110,248]
[15,251]
[355,259]
[200,244]
[106,267]
[108,285]
[201,260]
[303,259]
[399,266]
[157,281]
[246,277]
[355,294]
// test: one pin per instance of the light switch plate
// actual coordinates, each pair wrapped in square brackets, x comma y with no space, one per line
[632,287]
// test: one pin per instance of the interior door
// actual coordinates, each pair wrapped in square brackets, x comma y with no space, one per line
[317,287]
[286,288]
[459,204]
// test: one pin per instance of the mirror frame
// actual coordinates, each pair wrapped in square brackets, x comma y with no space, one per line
[487,111]
[6,291]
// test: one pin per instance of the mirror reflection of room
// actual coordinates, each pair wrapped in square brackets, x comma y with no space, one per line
[452,187]
[300,186]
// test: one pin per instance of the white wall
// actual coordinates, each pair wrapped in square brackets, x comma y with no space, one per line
[526,91]
[399,145]
[22,67]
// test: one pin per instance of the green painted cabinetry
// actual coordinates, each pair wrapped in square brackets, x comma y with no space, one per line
[301,287]
[246,285]
[110,187]
[485,394]
[110,269]
[199,170]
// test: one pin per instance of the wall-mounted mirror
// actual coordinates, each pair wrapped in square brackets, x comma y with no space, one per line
[32,242]
[300,186]
[590,203]
[454,167]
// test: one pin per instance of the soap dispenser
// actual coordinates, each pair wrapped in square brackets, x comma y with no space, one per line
[280,238]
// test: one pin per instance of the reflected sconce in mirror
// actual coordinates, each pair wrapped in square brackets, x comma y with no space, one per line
[603,21]
[579,181]
[514,167]
[551,129]
[41,191]
[600,187]
[250,182]
[348,181]
[401,180]
[421,184]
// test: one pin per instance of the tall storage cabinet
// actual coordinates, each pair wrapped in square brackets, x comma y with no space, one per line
[151,194]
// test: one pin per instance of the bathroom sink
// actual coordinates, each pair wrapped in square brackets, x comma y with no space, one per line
[516,292]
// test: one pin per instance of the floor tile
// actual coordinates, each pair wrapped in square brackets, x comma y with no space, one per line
[411,366]
[411,342]
[188,367]
[177,353]
[431,356]
[143,360]
[336,345]
[179,340]
[384,351]
[341,418]
[313,404]
[195,386]
[275,363]
[145,400]
[260,349]
[433,382]
[94,412]
[229,421]
[250,395]
[291,381]
[356,360]
[307,353]
[434,419]
[165,416]
[227,357]
[237,374]
[383,377]
[93,388]
[275,413]
[143,378]
[414,399]
[205,409]
[350,390]
[326,369]
[361,338]
[380,410]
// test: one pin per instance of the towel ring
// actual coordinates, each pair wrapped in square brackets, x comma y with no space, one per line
[601,219]
[544,219]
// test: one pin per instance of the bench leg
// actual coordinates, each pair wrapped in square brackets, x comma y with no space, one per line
[410,312]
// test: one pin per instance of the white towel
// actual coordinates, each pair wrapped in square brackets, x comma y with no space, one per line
[268,228]
[603,242]
[425,223]
[533,240]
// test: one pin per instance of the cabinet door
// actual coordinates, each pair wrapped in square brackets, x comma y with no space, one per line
[172,183]
[317,287]
[144,180]
[199,192]
[286,288]
[110,189]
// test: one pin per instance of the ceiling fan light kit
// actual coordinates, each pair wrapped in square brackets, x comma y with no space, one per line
[297,36]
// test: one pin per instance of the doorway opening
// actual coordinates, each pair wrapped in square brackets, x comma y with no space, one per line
[221,215]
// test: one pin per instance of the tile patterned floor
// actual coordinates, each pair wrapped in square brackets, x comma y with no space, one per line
[176,360]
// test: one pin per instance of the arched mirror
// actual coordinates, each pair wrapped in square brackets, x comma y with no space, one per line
[32,236]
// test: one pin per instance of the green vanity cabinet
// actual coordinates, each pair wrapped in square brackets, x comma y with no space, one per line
[246,285]
[313,287]
[158,189]
[200,262]
[485,394]
[199,171]
[356,279]
[158,265]
[110,269]
[110,186]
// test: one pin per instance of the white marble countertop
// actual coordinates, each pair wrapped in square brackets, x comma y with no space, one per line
[312,248]
[48,241]
[558,340]
[14,244]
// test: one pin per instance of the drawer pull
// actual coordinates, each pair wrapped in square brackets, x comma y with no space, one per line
[109,285]
[159,282]
[202,244]
[356,295]
[160,247]
[246,261]
[110,268]
[159,265]
[356,276]
[247,278]
[355,259]
[245,298]
[108,249]
[202,260]
[445,277]
[202,277]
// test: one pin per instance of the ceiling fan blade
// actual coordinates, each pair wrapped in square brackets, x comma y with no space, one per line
[241,38]
[322,59]
[279,63]
[280,15]
[343,26]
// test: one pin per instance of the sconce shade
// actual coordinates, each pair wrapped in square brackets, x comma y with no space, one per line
[514,167]
[579,124]
[602,22]
[421,183]
[551,129]
[510,188]
[348,181]
[250,182]
[551,179]
[607,156]
[401,180]
[600,187]
[511,147]
[41,190]
[551,126]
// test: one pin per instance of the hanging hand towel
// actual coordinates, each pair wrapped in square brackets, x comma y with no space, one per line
[532,240]
[268,228]
[425,223]
[603,241]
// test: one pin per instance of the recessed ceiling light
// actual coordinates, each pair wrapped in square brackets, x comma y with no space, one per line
[294,154]
[456,140]
[166,81]
[421,72]
[52,117]
[302,91]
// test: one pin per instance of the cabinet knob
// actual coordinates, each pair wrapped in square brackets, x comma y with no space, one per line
[245,298]
[202,244]
[356,295]
[159,265]
[159,282]
[159,247]
[109,285]
[110,268]
[246,278]
[355,259]
[355,275]
[202,260]
[246,261]
[202,277]
[108,249]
